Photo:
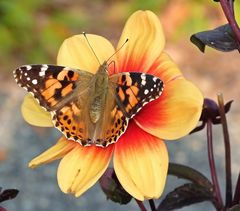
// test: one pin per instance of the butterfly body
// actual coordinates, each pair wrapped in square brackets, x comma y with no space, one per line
[92,109]
[100,89]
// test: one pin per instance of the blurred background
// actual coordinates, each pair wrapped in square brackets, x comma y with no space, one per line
[32,31]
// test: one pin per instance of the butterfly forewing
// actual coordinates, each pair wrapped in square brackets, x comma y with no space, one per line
[134,90]
[51,85]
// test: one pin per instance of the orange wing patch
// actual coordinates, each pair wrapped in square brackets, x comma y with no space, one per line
[117,126]
[68,122]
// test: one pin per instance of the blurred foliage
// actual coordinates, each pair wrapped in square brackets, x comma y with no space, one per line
[32,31]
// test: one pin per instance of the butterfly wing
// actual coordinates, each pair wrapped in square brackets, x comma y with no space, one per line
[112,123]
[51,85]
[62,91]
[65,92]
[127,94]
[134,90]
[73,119]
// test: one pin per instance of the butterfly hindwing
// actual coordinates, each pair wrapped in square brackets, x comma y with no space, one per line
[113,122]
[51,85]
[73,120]
[134,90]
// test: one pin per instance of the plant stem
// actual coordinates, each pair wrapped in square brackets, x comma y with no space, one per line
[231,6]
[236,198]
[141,205]
[227,151]
[212,165]
[152,204]
[230,17]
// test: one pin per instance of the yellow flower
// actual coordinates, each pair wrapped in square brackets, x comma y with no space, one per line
[140,155]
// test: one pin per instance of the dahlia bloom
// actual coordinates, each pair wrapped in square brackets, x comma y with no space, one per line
[140,156]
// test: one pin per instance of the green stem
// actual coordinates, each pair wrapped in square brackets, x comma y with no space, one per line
[227,151]
[212,166]
[152,205]
[141,205]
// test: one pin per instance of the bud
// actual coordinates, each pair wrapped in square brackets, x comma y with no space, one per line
[210,111]
[112,187]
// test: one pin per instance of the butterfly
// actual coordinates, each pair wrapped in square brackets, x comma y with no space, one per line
[92,109]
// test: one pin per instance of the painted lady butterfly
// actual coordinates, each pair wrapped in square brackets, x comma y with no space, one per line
[92,109]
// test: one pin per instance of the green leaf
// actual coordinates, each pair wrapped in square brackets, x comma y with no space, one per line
[185,195]
[189,173]
[221,38]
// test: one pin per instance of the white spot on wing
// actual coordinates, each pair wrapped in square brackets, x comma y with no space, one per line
[28,78]
[41,73]
[143,82]
[44,67]
[34,81]
[28,67]
[146,91]
[143,76]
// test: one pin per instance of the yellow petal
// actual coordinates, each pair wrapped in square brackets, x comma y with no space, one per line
[141,163]
[75,52]
[82,167]
[175,113]
[34,114]
[146,42]
[61,148]
[164,68]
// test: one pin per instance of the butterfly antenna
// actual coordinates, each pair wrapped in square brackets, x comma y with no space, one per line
[118,49]
[85,35]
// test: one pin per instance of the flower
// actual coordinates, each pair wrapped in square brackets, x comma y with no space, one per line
[140,156]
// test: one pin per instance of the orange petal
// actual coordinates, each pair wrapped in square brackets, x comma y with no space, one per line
[175,113]
[141,163]
[75,52]
[146,42]
[34,114]
[82,167]
[164,68]
[60,149]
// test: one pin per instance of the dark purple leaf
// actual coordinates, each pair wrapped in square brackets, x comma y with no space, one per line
[8,194]
[221,38]
[185,195]
[190,174]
